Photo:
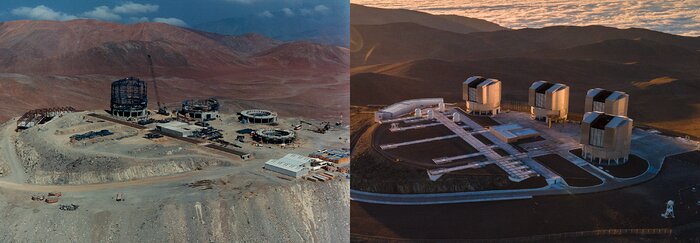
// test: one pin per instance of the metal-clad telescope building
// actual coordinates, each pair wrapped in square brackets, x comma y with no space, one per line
[482,95]
[548,101]
[606,139]
[606,101]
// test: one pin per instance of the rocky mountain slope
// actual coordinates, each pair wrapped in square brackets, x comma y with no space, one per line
[72,63]
[658,70]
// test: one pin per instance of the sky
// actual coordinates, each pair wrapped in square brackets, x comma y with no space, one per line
[680,17]
[184,13]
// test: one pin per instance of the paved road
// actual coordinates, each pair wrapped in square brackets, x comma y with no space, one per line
[652,147]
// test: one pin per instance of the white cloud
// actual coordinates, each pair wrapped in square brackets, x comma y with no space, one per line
[135,8]
[322,9]
[672,16]
[266,14]
[171,21]
[102,13]
[42,12]
[288,12]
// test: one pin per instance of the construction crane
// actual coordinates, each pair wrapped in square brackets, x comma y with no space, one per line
[325,126]
[162,110]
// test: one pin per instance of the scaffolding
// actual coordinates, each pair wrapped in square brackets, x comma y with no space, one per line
[129,98]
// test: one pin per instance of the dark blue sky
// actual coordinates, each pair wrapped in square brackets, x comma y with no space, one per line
[191,12]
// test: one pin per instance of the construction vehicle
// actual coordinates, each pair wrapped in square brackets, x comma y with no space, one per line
[325,126]
[162,110]
[340,121]
[120,197]
[71,207]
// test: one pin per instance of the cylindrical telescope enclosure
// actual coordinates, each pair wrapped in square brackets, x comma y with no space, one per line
[129,98]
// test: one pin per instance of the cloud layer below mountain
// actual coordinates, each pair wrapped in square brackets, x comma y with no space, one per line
[671,16]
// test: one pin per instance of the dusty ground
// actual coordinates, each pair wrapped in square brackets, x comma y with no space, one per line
[243,202]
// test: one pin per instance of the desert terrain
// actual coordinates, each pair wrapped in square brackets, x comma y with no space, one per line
[658,70]
[125,187]
[72,63]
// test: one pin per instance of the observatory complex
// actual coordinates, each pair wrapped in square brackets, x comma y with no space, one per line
[129,98]
[606,139]
[548,101]
[482,95]
[606,101]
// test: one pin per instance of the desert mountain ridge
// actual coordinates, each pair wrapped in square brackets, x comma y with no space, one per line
[72,63]
[660,71]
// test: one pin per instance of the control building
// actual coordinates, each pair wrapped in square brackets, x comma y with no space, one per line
[293,165]
[606,101]
[548,101]
[482,95]
[606,139]
[406,107]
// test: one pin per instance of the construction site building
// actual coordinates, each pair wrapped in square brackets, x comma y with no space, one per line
[179,129]
[293,165]
[606,101]
[258,116]
[548,101]
[40,116]
[482,95]
[606,139]
[129,98]
[274,136]
[201,109]
[406,107]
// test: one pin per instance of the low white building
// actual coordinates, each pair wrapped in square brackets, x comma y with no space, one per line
[406,107]
[179,129]
[293,165]
[510,133]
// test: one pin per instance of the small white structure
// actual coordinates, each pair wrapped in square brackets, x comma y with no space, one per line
[418,113]
[405,107]
[606,101]
[482,95]
[178,129]
[456,117]
[669,210]
[293,165]
[513,132]
[431,114]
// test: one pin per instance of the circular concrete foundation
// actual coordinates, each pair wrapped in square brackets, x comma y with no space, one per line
[276,136]
[258,116]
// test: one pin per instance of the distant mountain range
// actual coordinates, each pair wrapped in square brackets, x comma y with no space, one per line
[363,15]
[331,29]
[50,63]
[412,58]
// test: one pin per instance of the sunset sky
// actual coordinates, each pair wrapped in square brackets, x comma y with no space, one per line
[671,16]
